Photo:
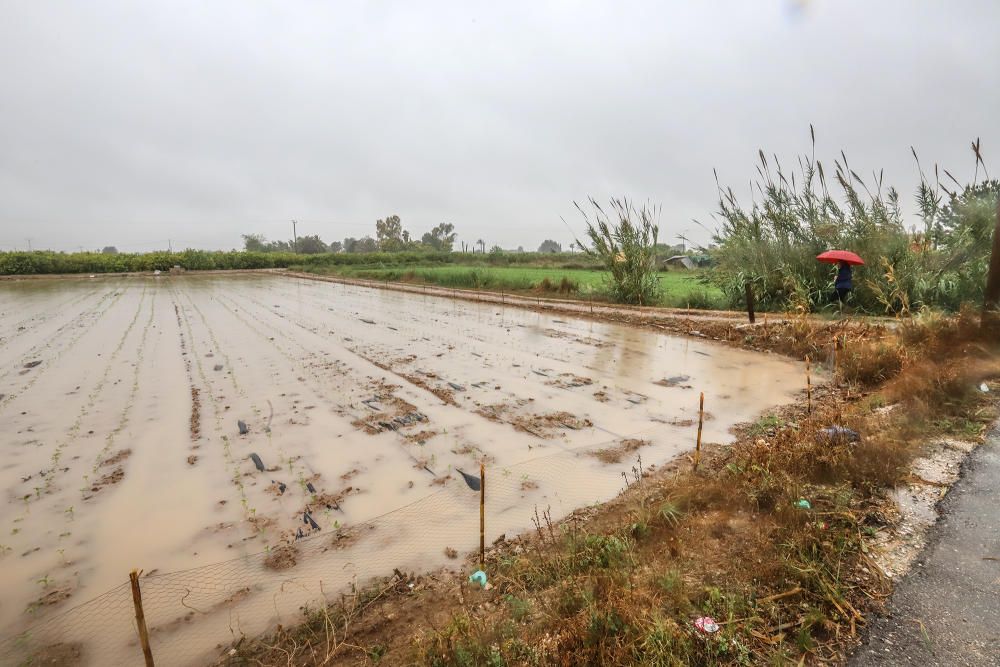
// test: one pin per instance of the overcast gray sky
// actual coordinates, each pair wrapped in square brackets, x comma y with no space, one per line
[130,123]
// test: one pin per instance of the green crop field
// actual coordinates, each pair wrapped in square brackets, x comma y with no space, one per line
[677,288]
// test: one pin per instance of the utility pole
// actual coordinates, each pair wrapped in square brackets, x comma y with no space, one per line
[29,245]
[170,246]
[991,304]
[295,238]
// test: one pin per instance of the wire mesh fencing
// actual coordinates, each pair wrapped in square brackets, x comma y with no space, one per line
[194,615]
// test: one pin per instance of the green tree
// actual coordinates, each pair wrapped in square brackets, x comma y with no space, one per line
[254,243]
[390,234]
[311,245]
[548,245]
[109,250]
[366,244]
[441,237]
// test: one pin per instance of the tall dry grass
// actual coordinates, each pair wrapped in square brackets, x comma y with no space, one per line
[797,213]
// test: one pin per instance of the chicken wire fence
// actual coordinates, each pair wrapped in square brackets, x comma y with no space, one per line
[193,616]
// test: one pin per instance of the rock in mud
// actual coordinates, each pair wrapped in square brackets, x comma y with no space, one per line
[32,364]
[257,462]
[307,518]
[244,429]
[310,487]
[217,367]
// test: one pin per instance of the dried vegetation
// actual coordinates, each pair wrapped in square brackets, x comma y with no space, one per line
[623,583]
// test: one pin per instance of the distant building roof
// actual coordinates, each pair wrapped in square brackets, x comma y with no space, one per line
[682,260]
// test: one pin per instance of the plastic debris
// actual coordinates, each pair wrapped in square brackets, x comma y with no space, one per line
[257,462]
[706,624]
[478,577]
[281,487]
[310,487]
[32,364]
[456,387]
[306,518]
[985,388]
[803,504]
[244,429]
[472,481]
[839,435]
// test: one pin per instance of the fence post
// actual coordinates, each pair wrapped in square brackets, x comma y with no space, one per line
[482,516]
[140,618]
[750,304]
[701,421]
[809,389]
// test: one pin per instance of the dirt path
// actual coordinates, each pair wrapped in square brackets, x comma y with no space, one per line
[534,302]
[947,610]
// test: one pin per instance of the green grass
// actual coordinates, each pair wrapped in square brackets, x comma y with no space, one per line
[679,289]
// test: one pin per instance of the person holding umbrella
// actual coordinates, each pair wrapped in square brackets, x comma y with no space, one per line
[845,259]
[843,284]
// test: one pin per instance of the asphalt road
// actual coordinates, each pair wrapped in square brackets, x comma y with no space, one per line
[946,611]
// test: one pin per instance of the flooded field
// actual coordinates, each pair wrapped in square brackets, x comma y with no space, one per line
[176,422]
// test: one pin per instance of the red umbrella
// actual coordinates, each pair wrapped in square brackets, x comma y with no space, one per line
[838,256]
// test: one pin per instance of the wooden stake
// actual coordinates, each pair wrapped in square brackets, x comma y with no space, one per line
[750,304]
[140,618]
[482,516]
[809,389]
[701,421]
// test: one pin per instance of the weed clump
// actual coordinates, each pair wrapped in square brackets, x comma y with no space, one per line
[871,364]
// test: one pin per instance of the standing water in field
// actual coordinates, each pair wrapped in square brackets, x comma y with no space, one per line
[276,433]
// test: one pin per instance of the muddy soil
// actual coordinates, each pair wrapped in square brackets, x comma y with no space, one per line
[175,422]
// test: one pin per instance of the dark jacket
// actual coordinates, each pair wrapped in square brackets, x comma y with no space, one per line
[844,277]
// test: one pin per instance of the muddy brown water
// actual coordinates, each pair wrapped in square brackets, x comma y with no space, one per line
[121,448]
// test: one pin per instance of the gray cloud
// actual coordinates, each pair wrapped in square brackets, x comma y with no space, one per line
[131,123]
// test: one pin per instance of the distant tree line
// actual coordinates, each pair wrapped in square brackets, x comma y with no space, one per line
[389,237]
